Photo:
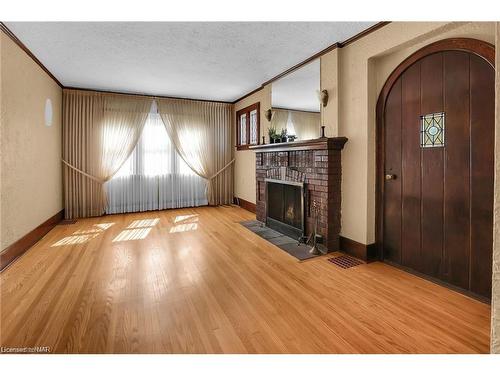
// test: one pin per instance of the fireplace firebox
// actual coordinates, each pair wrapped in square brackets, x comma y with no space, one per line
[285,207]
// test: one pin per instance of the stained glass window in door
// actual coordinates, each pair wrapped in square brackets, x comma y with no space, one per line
[432,130]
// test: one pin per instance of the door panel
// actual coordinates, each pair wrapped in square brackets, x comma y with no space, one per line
[482,104]
[411,167]
[392,207]
[432,161]
[457,171]
[438,212]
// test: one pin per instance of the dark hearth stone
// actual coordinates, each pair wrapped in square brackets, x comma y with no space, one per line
[285,243]
[252,223]
[298,251]
[269,234]
[282,240]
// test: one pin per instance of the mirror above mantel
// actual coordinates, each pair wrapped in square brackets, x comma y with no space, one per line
[295,104]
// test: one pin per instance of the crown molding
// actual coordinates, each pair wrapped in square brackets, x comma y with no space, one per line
[21,45]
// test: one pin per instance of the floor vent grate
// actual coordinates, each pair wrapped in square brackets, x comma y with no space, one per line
[67,222]
[345,261]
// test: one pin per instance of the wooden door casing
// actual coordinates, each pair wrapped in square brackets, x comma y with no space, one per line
[436,216]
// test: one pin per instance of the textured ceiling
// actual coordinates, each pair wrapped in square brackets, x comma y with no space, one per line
[205,60]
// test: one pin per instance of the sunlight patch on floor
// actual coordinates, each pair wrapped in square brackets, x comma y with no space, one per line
[104,226]
[185,223]
[81,236]
[184,228]
[132,234]
[96,228]
[75,240]
[136,230]
[186,218]
[143,223]
[87,231]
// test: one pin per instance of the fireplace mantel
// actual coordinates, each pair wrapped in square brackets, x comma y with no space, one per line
[334,143]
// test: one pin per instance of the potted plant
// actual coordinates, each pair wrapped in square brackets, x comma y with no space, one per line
[271,131]
[283,135]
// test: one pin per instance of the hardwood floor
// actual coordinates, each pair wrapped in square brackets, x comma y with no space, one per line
[195,281]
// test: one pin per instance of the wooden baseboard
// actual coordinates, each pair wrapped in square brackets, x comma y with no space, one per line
[249,206]
[358,250]
[434,280]
[18,248]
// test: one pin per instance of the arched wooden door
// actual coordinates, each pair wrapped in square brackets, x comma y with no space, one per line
[436,164]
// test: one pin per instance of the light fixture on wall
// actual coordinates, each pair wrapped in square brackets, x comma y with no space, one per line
[268,114]
[48,112]
[323,97]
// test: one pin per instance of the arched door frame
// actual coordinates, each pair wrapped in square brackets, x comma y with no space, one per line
[480,48]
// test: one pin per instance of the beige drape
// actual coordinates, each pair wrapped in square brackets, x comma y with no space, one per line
[201,133]
[306,124]
[99,133]
[279,119]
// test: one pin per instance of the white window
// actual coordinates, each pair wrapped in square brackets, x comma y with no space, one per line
[154,177]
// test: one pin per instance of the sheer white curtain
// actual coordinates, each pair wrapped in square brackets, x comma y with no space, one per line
[154,177]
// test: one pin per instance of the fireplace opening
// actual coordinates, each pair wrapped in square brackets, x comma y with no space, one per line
[285,207]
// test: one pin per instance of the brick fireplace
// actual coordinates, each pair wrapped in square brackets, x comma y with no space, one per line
[315,165]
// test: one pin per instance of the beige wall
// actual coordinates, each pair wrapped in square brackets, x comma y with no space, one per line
[329,76]
[31,182]
[244,170]
[495,300]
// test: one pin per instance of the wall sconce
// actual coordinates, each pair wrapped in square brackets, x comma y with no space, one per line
[323,97]
[48,112]
[268,114]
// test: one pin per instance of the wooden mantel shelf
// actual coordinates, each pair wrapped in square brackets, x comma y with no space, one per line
[335,143]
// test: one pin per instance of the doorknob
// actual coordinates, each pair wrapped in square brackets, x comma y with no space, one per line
[390,177]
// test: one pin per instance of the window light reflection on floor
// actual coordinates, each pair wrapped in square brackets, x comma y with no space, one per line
[95,228]
[188,218]
[104,226]
[136,230]
[83,235]
[184,227]
[132,234]
[185,223]
[75,240]
[143,223]
[87,231]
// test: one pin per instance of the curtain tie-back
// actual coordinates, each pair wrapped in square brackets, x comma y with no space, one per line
[222,170]
[84,173]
